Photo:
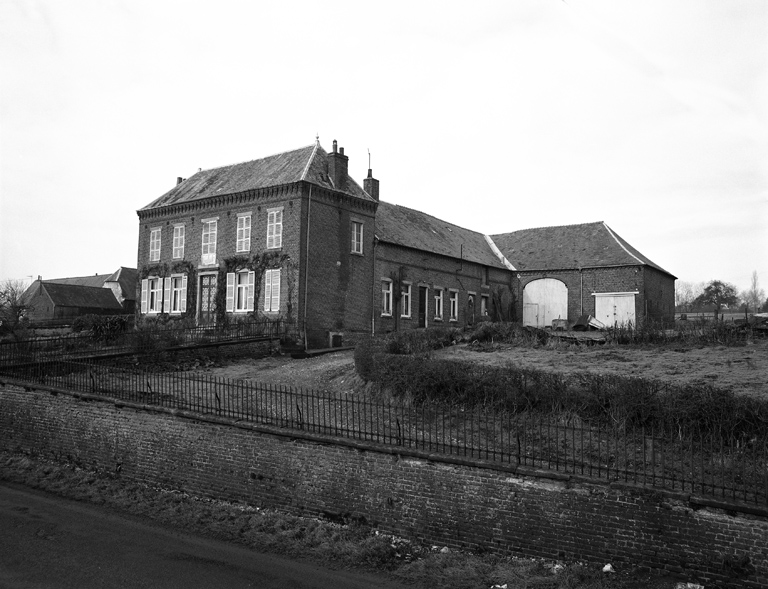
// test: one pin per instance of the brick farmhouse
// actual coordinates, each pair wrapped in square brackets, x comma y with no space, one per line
[293,237]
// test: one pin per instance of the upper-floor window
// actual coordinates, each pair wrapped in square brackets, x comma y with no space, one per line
[244,232]
[274,228]
[439,304]
[357,237]
[154,244]
[178,242]
[454,302]
[386,297]
[210,229]
[405,301]
[272,291]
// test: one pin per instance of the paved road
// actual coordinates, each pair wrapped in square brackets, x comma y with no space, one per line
[47,542]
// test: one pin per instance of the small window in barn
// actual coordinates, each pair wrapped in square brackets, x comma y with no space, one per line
[386,298]
[454,302]
[483,305]
[405,301]
[438,304]
[154,244]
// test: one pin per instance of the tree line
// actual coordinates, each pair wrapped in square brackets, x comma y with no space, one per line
[717,296]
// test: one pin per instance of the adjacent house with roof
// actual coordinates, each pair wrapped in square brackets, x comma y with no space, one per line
[293,237]
[60,299]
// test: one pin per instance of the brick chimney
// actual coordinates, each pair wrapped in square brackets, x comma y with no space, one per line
[371,185]
[338,164]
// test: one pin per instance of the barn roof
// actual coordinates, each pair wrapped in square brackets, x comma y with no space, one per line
[569,247]
[96,281]
[126,278]
[414,229]
[308,163]
[73,295]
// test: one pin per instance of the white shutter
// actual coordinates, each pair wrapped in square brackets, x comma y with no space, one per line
[144,288]
[267,288]
[230,292]
[251,281]
[183,297]
[275,290]
[166,306]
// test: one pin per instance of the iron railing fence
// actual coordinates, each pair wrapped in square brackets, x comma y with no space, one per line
[136,341]
[716,466]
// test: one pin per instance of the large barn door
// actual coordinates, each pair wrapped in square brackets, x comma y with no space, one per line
[615,308]
[544,300]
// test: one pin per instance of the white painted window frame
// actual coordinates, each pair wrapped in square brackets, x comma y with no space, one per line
[405,300]
[386,297]
[453,299]
[272,290]
[178,241]
[439,300]
[244,221]
[275,228]
[357,237]
[178,294]
[155,242]
[209,238]
[154,295]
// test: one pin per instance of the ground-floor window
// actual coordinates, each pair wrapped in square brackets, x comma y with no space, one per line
[240,291]
[178,294]
[272,291]
[405,301]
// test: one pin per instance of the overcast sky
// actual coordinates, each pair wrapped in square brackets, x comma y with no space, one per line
[651,116]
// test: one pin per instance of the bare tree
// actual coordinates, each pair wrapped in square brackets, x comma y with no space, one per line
[686,293]
[13,307]
[754,296]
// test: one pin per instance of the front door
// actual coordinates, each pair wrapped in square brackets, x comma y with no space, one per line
[422,306]
[207,311]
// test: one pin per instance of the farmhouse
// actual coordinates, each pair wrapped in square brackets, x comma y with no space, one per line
[60,299]
[293,237]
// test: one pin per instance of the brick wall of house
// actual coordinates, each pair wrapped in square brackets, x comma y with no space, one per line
[434,271]
[339,282]
[226,211]
[458,503]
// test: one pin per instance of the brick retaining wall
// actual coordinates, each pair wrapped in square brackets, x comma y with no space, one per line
[443,500]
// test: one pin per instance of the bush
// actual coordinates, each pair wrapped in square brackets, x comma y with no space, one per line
[102,327]
[621,401]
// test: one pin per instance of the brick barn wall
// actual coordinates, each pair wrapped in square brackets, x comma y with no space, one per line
[458,503]
[656,289]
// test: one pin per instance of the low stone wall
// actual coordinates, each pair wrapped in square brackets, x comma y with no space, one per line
[443,500]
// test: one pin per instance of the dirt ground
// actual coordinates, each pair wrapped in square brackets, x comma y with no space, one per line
[742,369]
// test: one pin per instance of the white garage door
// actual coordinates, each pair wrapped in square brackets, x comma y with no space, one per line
[544,300]
[615,308]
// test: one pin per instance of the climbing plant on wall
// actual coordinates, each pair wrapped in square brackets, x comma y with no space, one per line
[256,263]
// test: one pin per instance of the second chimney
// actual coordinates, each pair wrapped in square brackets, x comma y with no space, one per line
[338,165]
[371,185]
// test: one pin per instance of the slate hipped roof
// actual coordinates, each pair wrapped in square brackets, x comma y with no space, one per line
[86,297]
[587,245]
[309,164]
[414,229]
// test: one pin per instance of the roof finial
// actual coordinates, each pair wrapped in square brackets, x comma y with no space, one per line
[317,139]
[369,158]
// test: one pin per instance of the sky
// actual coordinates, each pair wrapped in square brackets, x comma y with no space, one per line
[497,116]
